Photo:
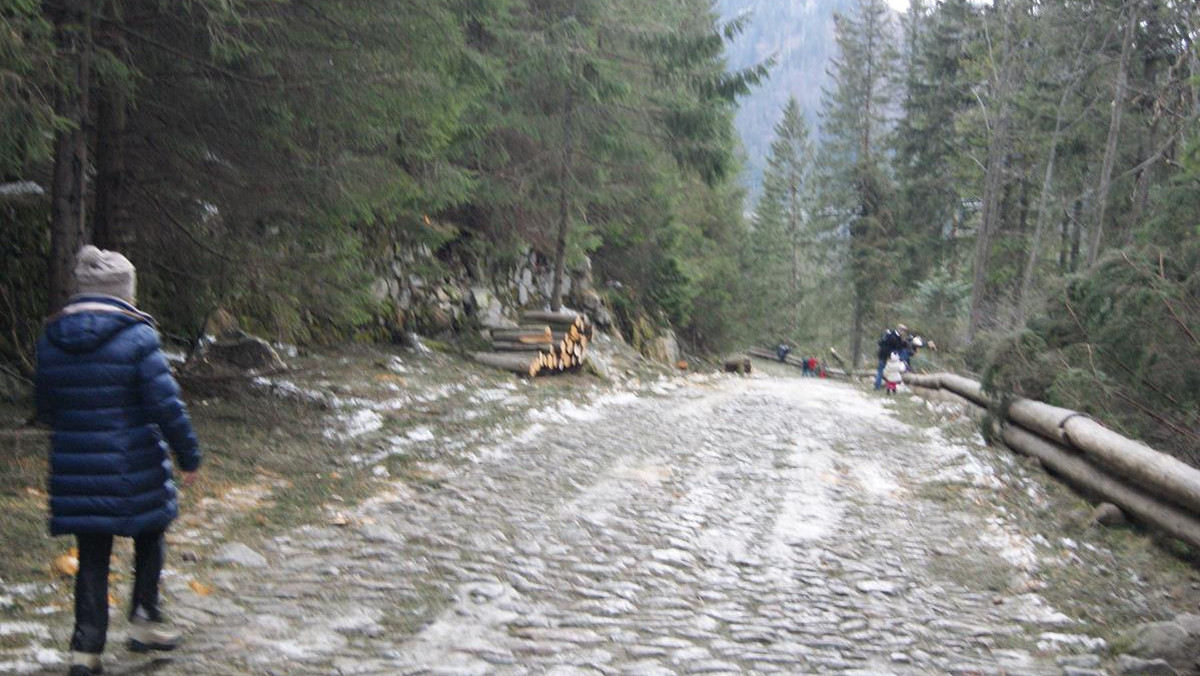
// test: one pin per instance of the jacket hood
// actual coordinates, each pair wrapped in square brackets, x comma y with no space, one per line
[83,330]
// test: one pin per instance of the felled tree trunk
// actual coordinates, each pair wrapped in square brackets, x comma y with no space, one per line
[1076,470]
[521,364]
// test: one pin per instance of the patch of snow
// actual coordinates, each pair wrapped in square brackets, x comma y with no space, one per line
[358,423]
[287,350]
[1013,547]
[19,667]
[33,629]
[21,188]
[490,395]
[809,510]
[1052,641]
[419,434]
[1033,609]
[418,345]
[567,411]
[875,479]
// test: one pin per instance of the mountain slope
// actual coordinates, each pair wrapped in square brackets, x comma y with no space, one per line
[799,34]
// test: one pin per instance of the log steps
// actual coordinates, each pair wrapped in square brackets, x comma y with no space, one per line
[544,343]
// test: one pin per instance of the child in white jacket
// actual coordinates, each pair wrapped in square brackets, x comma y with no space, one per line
[892,371]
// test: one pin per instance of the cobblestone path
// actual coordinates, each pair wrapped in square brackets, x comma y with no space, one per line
[727,526]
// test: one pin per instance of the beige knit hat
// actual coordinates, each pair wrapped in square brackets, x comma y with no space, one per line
[106,273]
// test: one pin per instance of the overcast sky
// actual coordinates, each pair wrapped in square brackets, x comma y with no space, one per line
[899,5]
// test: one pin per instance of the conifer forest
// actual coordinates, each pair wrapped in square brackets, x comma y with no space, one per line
[1017,180]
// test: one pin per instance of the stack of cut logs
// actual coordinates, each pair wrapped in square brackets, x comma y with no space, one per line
[544,343]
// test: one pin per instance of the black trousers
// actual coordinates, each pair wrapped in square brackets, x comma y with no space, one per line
[91,586]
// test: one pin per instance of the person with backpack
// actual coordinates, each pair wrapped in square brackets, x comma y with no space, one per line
[782,351]
[892,340]
[104,386]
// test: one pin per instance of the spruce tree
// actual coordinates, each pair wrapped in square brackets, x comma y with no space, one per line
[783,208]
[855,120]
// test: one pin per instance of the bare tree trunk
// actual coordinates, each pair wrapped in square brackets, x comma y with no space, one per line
[68,208]
[1064,247]
[1114,129]
[993,186]
[110,224]
[564,193]
[1076,234]
[993,190]
[1043,207]
[856,329]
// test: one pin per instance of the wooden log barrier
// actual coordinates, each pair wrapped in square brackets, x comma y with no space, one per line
[1156,489]
[1075,469]
[1165,475]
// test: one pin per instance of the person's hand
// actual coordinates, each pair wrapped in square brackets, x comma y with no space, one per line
[188,478]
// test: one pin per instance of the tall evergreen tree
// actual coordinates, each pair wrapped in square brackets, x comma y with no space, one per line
[783,206]
[856,122]
[928,144]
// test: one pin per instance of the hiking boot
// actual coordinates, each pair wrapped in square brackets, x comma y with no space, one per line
[85,664]
[145,635]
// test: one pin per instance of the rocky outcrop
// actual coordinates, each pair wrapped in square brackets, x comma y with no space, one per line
[434,296]
[225,349]
[1176,642]
[663,349]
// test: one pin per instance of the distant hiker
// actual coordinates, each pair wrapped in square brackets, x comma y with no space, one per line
[811,365]
[105,388]
[892,373]
[892,340]
[910,350]
[782,351]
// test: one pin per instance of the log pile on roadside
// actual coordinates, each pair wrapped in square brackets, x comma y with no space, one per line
[1151,487]
[544,343]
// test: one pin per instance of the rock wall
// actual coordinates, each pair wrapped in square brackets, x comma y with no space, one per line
[435,296]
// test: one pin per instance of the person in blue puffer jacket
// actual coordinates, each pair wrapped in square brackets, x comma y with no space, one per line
[104,386]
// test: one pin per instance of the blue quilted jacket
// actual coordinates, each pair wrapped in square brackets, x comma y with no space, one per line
[105,387]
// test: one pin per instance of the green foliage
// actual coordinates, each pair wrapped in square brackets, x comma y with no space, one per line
[26,96]
[23,251]
[270,158]
[938,304]
[779,267]
[1119,343]
[855,123]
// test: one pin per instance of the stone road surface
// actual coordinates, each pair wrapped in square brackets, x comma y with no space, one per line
[723,526]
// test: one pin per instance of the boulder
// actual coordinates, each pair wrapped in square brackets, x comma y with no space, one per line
[1127,665]
[590,300]
[663,349]
[1108,514]
[221,325]
[380,289]
[250,353]
[1177,642]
